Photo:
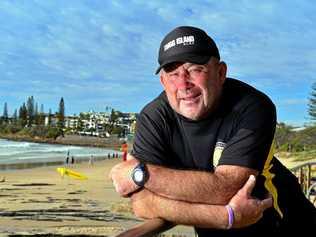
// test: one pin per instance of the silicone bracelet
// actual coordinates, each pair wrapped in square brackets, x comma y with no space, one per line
[230,213]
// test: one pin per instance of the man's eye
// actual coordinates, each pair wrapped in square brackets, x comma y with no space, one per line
[174,74]
[195,69]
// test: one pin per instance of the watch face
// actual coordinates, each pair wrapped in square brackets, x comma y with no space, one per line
[138,175]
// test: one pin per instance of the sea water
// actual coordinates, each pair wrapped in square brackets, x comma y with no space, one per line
[28,152]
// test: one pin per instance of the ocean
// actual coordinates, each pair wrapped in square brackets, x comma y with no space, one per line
[13,152]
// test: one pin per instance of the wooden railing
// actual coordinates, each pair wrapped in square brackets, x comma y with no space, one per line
[306,174]
[148,229]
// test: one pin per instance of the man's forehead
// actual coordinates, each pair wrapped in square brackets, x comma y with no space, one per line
[172,66]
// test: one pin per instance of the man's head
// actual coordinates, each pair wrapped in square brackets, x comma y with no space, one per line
[191,72]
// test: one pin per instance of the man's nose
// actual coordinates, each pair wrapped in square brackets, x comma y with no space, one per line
[183,82]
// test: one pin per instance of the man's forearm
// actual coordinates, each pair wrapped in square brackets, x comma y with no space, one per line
[198,215]
[196,186]
[148,205]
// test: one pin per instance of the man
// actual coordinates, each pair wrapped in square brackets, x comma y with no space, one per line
[198,142]
[124,149]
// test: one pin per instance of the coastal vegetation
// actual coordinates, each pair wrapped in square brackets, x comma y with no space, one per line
[31,124]
[291,139]
[30,121]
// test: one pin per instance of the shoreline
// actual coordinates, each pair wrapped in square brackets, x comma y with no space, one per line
[112,143]
[22,165]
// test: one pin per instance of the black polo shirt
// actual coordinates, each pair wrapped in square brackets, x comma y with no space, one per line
[240,132]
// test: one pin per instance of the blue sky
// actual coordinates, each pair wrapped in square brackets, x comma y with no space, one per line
[104,53]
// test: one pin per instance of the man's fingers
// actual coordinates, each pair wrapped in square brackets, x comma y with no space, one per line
[267,203]
[249,185]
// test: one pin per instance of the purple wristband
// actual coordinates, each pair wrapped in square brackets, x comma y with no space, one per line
[230,213]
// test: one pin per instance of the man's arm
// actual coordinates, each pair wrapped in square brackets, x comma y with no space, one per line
[184,185]
[247,210]
[198,186]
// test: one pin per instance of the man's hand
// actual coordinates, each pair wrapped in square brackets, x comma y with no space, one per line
[121,177]
[248,210]
[143,204]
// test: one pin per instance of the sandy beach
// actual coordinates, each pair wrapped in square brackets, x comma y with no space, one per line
[39,201]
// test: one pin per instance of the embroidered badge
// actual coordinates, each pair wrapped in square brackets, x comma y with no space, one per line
[219,147]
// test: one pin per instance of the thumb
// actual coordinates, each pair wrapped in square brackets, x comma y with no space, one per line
[249,185]
[266,203]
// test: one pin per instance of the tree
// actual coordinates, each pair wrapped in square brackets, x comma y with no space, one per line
[49,117]
[15,116]
[5,112]
[42,109]
[80,124]
[30,111]
[113,120]
[61,114]
[41,115]
[36,115]
[23,115]
[312,104]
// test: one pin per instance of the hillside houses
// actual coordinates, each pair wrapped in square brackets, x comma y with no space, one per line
[97,123]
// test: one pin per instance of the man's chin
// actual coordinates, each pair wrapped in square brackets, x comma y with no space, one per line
[190,113]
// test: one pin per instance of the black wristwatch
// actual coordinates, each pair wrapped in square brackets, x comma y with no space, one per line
[140,175]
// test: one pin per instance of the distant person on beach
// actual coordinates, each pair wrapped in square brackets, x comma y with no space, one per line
[197,143]
[124,149]
[72,160]
[67,158]
[91,160]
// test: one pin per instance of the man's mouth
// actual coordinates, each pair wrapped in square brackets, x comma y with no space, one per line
[191,98]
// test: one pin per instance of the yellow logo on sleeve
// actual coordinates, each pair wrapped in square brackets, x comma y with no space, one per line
[219,147]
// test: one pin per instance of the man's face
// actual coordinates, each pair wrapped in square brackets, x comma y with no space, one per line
[193,90]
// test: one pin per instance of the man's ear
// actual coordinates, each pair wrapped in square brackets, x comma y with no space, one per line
[162,79]
[222,71]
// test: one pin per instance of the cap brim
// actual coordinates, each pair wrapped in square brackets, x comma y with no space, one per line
[190,58]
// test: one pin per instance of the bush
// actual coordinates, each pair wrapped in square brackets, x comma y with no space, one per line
[299,140]
[53,132]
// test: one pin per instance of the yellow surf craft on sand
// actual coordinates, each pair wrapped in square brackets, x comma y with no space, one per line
[64,171]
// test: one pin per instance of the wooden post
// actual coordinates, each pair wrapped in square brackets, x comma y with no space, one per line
[309,172]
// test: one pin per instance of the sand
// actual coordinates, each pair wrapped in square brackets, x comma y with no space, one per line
[39,201]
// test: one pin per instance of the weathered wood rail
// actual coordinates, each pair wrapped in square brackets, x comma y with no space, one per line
[306,174]
[148,229]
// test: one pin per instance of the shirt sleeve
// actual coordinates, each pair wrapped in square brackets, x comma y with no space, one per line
[150,142]
[254,128]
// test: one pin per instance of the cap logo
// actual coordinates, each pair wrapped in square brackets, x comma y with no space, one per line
[184,40]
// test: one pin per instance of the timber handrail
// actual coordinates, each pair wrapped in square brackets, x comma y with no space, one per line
[147,229]
[295,168]
[304,173]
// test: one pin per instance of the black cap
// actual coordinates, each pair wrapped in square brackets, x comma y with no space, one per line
[186,44]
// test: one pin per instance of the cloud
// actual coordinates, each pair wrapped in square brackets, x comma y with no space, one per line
[108,49]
